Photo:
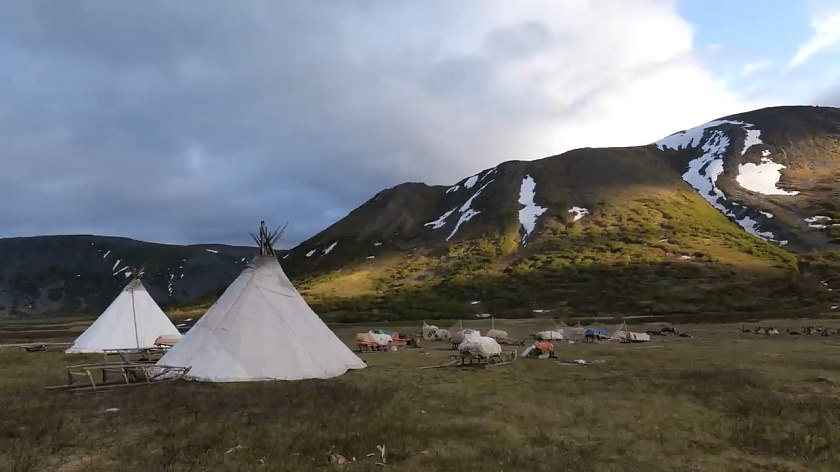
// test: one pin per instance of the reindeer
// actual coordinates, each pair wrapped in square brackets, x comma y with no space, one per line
[793,333]
[745,330]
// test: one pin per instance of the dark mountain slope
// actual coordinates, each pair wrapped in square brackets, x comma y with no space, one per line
[80,275]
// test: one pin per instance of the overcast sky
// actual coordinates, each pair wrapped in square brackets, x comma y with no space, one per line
[189,121]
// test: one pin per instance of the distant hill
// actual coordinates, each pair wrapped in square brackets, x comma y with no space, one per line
[740,215]
[735,217]
[80,275]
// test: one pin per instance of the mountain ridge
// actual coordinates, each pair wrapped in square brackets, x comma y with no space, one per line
[617,197]
[64,275]
[671,227]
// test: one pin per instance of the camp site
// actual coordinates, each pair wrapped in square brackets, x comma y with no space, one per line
[260,382]
[419,236]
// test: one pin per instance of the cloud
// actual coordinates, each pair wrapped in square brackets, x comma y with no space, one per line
[826,34]
[191,121]
[828,97]
[751,68]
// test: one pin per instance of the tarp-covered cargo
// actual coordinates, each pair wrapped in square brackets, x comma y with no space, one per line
[480,346]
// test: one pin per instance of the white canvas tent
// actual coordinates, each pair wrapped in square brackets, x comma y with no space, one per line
[132,321]
[261,329]
[624,334]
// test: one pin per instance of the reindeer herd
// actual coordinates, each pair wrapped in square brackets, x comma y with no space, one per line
[818,330]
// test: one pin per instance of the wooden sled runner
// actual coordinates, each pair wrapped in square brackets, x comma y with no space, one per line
[374,347]
[471,360]
[109,375]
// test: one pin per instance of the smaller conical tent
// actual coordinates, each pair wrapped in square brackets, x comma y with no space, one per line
[261,329]
[132,321]
[624,334]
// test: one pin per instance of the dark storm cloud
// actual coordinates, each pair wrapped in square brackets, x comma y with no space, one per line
[190,121]
[181,121]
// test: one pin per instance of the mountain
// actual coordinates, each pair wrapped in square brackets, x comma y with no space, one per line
[81,275]
[736,217]
[739,215]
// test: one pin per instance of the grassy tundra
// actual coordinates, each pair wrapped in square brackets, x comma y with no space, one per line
[723,400]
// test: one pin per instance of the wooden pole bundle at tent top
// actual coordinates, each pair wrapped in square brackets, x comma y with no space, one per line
[266,239]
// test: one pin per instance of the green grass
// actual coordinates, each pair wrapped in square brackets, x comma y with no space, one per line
[720,401]
[646,251]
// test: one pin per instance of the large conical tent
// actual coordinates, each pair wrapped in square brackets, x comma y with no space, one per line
[261,329]
[132,321]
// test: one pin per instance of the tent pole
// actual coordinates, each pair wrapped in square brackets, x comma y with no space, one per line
[134,314]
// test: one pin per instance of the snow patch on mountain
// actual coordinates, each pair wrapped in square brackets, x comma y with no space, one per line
[751,226]
[212,251]
[465,216]
[453,188]
[441,221]
[762,178]
[116,264]
[467,213]
[693,137]
[579,212]
[106,254]
[531,211]
[470,183]
[330,248]
[703,172]
[813,222]
[309,254]
[753,138]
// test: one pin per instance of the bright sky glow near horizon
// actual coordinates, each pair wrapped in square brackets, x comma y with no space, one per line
[190,121]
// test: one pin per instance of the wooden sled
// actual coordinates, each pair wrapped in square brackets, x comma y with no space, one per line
[374,347]
[468,360]
[142,355]
[109,375]
[35,347]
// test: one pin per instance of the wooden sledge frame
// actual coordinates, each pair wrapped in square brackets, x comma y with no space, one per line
[124,374]
[34,347]
[374,347]
[147,353]
[468,360]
